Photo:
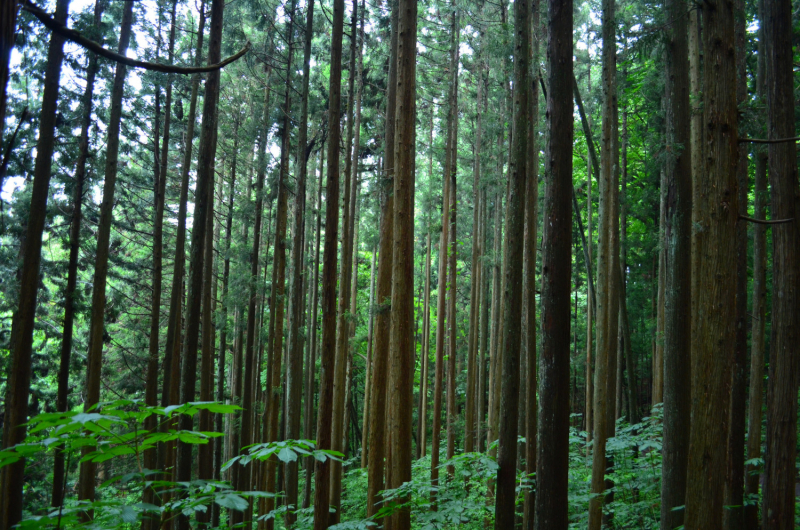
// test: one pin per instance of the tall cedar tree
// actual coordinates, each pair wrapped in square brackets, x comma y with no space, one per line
[401,369]
[512,295]
[607,272]
[18,386]
[322,472]
[202,208]
[778,510]
[377,428]
[294,371]
[552,459]
[713,337]
[95,355]
[70,293]
[677,336]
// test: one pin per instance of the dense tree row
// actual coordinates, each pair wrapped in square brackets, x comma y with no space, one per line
[413,264]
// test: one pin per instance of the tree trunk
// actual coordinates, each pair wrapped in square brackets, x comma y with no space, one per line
[529,257]
[426,334]
[678,233]
[552,459]
[759,313]
[401,378]
[294,369]
[63,391]
[345,276]
[369,374]
[607,272]
[312,365]
[202,209]
[451,173]
[328,352]
[734,484]
[94,359]
[658,352]
[513,284]
[18,386]
[713,337]
[781,449]
[377,429]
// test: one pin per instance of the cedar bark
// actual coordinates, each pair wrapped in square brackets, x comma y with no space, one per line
[552,459]
[377,413]
[345,277]
[275,350]
[369,375]
[451,173]
[778,508]
[23,323]
[713,337]
[607,272]
[328,345]
[401,378]
[733,516]
[72,268]
[513,284]
[426,350]
[294,370]
[529,257]
[94,359]
[202,209]
[312,364]
[678,233]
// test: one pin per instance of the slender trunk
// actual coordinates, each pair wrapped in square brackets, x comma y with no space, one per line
[72,268]
[426,353]
[94,359]
[553,429]
[295,363]
[369,375]
[345,275]
[759,313]
[491,431]
[658,353]
[452,412]
[202,209]
[312,365]
[483,375]
[513,284]
[607,273]
[713,337]
[328,351]
[529,257]
[781,447]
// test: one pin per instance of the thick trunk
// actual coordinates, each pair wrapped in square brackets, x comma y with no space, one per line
[781,450]
[401,378]
[677,213]
[18,386]
[94,359]
[713,337]
[62,395]
[513,284]
[552,459]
